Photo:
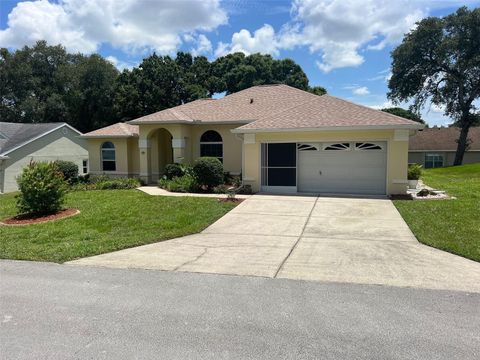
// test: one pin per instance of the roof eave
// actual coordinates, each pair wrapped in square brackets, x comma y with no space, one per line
[332,128]
[108,136]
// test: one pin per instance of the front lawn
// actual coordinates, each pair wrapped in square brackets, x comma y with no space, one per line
[109,220]
[450,225]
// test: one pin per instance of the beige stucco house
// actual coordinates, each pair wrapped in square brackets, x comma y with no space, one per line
[280,139]
[436,147]
[21,143]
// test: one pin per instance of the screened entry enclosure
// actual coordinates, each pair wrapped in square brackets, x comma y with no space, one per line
[279,167]
[357,167]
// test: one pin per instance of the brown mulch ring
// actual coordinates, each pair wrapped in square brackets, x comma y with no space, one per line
[27,219]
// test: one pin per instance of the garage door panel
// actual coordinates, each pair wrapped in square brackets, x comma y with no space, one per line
[354,171]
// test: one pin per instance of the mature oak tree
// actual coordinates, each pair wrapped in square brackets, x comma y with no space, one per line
[44,83]
[407,114]
[439,61]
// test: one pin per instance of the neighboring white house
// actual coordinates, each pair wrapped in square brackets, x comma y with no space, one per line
[20,143]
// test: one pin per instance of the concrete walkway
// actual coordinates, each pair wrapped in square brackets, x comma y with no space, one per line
[156,191]
[352,240]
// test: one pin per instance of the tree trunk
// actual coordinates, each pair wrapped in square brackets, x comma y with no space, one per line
[462,144]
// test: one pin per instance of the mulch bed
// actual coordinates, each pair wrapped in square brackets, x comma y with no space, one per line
[230,200]
[27,219]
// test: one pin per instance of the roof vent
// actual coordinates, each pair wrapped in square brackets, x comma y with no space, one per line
[251,101]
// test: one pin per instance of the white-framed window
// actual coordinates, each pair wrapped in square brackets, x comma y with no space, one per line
[85,166]
[433,160]
[345,146]
[211,144]
[108,156]
[367,146]
[307,147]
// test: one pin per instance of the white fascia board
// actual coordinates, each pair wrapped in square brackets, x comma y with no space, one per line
[42,135]
[107,136]
[331,128]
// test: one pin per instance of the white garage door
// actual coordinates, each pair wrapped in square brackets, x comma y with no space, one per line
[346,167]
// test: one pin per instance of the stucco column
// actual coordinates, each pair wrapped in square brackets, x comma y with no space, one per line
[179,153]
[251,162]
[398,162]
[145,160]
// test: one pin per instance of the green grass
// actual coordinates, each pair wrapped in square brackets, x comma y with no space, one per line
[450,225]
[109,220]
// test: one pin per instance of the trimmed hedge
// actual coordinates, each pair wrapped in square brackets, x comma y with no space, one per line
[208,172]
[106,183]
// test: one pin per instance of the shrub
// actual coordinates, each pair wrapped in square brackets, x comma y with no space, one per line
[220,189]
[183,184]
[120,183]
[173,171]
[69,170]
[106,183]
[414,172]
[42,189]
[208,171]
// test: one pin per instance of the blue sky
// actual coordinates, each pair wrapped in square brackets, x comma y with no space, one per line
[343,45]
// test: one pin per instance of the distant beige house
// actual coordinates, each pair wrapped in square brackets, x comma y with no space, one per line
[280,139]
[436,147]
[21,143]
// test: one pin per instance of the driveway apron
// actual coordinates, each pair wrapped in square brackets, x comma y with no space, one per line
[353,240]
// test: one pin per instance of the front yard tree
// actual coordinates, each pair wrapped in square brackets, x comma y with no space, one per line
[407,114]
[439,61]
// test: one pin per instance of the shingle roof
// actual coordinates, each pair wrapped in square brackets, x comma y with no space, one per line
[275,107]
[326,111]
[443,139]
[243,106]
[115,130]
[13,135]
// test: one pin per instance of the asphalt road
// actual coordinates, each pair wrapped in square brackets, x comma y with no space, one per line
[53,311]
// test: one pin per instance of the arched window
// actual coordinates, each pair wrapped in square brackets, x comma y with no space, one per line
[108,156]
[211,144]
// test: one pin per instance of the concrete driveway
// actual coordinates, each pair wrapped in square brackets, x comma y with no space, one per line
[353,240]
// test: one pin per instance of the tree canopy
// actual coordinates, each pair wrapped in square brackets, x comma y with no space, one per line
[407,114]
[439,61]
[44,83]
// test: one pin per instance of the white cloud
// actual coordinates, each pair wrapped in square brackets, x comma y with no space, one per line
[437,108]
[204,46]
[362,90]
[339,29]
[119,64]
[384,105]
[383,75]
[130,25]
[262,41]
